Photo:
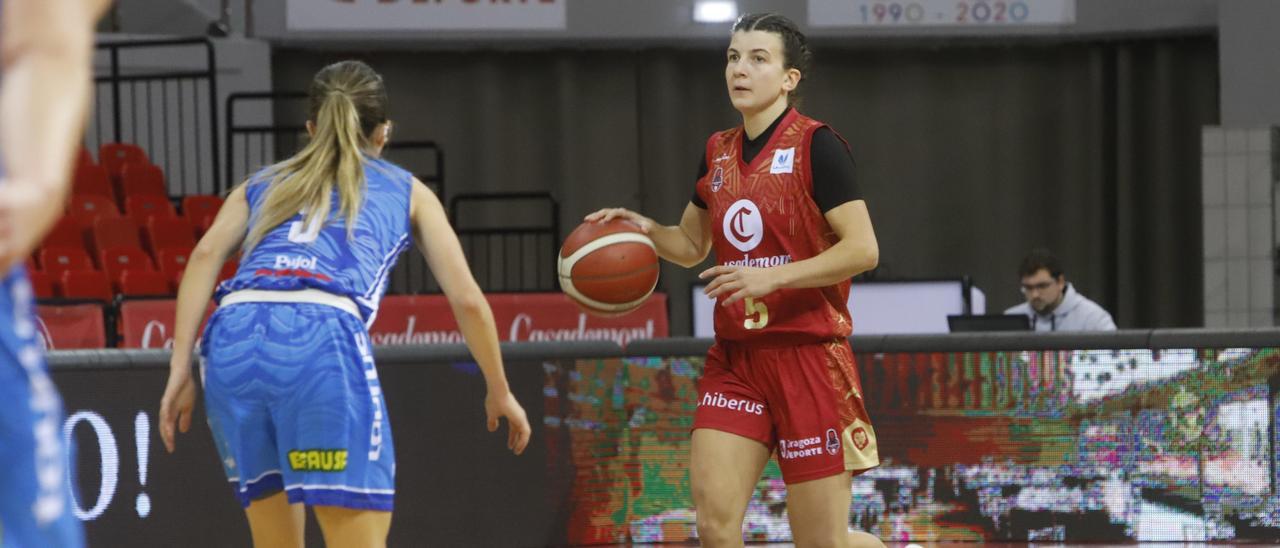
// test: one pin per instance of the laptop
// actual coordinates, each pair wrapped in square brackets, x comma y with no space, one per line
[988,322]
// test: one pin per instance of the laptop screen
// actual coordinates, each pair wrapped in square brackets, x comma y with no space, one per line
[988,322]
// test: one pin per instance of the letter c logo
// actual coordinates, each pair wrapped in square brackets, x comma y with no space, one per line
[743,225]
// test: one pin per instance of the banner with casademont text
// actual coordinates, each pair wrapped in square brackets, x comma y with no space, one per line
[520,317]
[418,15]
[149,323]
[428,319]
[68,326]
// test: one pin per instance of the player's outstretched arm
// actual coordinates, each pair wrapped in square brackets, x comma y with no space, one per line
[46,47]
[439,244]
[856,252]
[685,244]
[198,280]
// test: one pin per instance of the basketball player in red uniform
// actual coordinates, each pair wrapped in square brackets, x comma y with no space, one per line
[776,199]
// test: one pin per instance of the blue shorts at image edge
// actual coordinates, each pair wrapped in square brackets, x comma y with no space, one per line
[35,496]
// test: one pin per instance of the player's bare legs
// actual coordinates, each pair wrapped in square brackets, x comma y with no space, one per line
[723,471]
[819,514]
[274,523]
[348,527]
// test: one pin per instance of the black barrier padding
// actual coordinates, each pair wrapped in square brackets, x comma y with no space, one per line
[1215,338]
[524,351]
[1010,341]
[968,342]
[457,484]
[192,504]
[106,358]
[688,346]
[1013,341]
[868,343]
[110,358]
[676,346]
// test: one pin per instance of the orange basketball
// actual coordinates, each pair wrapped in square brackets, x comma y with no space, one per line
[609,268]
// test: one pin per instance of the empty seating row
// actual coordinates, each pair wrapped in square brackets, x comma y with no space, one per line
[122,172]
[200,209]
[121,234]
[68,273]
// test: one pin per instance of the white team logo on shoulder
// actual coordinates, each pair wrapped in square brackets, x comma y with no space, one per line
[784,160]
[743,225]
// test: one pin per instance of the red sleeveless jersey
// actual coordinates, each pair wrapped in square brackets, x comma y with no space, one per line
[763,215]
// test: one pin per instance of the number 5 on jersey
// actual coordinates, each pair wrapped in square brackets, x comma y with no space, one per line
[760,313]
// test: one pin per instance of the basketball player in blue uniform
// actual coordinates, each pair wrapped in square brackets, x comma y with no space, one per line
[292,396]
[46,48]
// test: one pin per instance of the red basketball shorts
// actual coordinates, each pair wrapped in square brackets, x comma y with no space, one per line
[804,402]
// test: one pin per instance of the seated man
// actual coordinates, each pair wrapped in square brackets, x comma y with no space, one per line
[1052,304]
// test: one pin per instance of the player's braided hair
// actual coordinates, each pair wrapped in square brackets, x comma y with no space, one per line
[795,46]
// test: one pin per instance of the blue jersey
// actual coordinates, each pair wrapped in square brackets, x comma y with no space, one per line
[292,256]
[35,499]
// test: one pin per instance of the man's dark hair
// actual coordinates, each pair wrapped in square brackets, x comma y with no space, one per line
[1037,259]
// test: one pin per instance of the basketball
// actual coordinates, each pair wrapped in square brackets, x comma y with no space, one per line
[608,268]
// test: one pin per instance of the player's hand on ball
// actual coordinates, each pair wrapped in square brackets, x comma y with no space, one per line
[505,405]
[176,405]
[738,282]
[610,213]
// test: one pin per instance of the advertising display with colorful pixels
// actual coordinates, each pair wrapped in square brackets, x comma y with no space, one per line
[1076,446]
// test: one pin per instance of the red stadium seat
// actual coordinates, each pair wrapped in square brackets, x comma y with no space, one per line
[86,284]
[92,179]
[42,284]
[168,232]
[142,208]
[139,179]
[114,156]
[55,259]
[65,233]
[84,158]
[172,262]
[203,224]
[120,231]
[228,269]
[138,283]
[227,272]
[196,206]
[87,208]
[117,259]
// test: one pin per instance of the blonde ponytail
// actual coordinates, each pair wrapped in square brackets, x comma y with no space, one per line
[347,101]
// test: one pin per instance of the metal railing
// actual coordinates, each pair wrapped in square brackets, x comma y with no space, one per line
[265,127]
[170,113]
[509,252]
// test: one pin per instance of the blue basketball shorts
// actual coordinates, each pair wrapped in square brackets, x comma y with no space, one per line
[35,495]
[295,405]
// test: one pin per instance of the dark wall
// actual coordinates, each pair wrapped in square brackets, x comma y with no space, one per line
[1249,49]
[969,153]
